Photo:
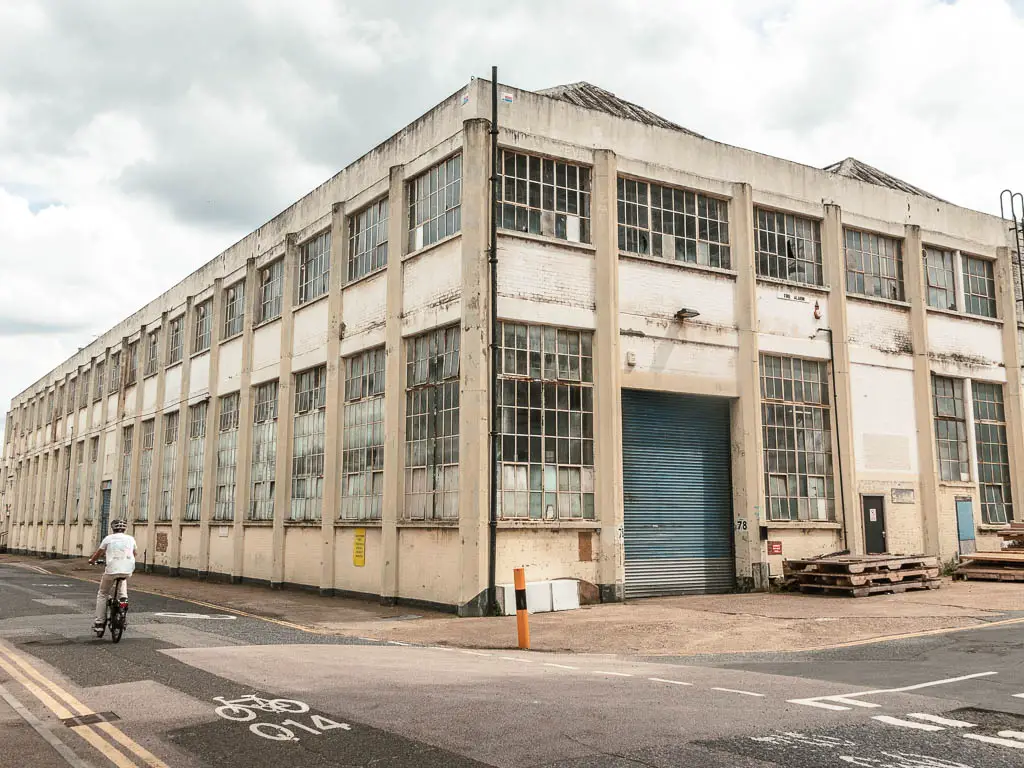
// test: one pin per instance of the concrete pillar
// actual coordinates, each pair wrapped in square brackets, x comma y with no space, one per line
[136,461]
[209,481]
[474,365]
[917,296]
[847,497]
[285,413]
[335,401]
[155,483]
[181,457]
[394,390]
[611,563]
[1012,360]
[748,484]
[243,453]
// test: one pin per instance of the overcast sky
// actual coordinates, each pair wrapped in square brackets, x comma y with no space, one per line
[138,140]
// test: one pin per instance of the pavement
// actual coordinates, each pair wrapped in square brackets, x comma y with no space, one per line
[204,684]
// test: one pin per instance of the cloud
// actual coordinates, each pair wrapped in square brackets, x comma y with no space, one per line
[136,142]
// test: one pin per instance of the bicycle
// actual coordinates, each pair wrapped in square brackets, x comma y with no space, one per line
[244,709]
[117,613]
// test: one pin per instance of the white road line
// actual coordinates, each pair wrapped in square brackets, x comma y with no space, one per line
[1018,695]
[517,658]
[848,698]
[39,727]
[442,648]
[614,674]
[940,720]
[395,642]
[478,653]
[1011,743]
[907,723]
[670,682]
[558,666]
[745,693]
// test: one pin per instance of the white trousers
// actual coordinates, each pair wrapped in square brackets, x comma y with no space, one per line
[105,591]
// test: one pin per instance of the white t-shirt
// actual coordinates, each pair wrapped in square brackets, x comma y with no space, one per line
[120,554]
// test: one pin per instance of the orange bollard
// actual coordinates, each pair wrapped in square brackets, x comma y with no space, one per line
[522,617]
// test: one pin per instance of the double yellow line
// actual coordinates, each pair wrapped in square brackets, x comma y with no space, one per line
[64,706]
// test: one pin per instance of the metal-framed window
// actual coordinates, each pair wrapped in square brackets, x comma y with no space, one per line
[979,287]
[97,381]
[546,400]
[72,390]
[368,240]
[63,496]
[432,425]
[146,467]
[58,403]
[49,407]
[951,429]
[196,456]
[203,326]
[234,309]
[264,452]
[94,464]
[672,224]
[115,373]
[79,468]
[227,457]
[362,459]
[940,278]
[174,340]
[308,444]
[83,390]
[125,480]
[270,292]
[152,353]
[435,203]
[167,470]
[314,268]
[797,432]
[993,456]
[132,364]
[788,247]
[544,196]
[874,265]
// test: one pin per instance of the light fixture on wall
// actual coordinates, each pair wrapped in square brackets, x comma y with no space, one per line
[686,314]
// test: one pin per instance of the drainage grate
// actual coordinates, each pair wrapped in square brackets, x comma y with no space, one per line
[98,717]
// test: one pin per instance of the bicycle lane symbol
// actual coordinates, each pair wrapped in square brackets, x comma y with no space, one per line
[244,709]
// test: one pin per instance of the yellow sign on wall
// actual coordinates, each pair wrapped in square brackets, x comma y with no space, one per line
[359,548]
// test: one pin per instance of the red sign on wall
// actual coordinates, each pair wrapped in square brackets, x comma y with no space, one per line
[774,547]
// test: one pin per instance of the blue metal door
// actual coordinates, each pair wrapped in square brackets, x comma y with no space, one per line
[104,509]
[965,525]
[677,490]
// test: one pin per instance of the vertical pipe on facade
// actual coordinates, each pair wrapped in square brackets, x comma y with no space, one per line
[1018,225]
[492,601]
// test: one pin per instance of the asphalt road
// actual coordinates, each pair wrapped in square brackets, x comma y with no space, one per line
[188,686]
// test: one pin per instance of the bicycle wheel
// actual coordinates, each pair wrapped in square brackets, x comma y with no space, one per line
[236,713]
[289,705]
[116,627]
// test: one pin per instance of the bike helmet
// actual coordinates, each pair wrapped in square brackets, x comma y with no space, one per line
[119,526]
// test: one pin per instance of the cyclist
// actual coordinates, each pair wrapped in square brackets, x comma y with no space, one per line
[119,550]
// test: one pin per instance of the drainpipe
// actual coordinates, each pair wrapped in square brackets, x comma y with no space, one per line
[492,595]
[839,447]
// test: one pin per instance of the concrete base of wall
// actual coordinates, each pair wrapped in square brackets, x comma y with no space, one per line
[612,593]
[476,607]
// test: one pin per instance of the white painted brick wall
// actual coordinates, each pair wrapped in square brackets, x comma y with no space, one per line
[149,394]
[545,274]
[172,387]
[970,342]
[199,376]
[310,328]
[364,304]
[229,369]
[884,425]
[669,356]
[792,317]
[879,327]
[434,278]
[653,290]
[266,352]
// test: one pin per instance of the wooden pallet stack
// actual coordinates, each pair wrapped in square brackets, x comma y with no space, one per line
[1005,565]
[862,575]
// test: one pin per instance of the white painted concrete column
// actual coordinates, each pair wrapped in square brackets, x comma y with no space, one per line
[285,413]
[917,296]
[178,498]
[209,480]
[847,497]
[335,401]
[748,484]
[1012,395]
[155,483]
[611,561]
[394,389]
[243,453]
[474,365]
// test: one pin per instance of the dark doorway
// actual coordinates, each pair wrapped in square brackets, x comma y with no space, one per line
[104,509]
[874,525]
